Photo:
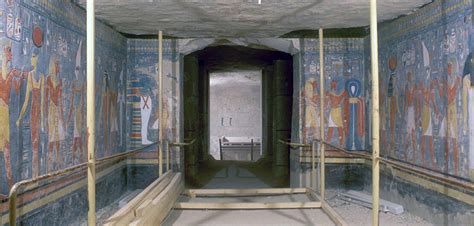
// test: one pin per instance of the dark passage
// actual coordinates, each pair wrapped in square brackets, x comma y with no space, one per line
[277,90]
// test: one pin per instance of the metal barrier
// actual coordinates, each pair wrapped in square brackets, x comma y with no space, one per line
[426,172]
[14,190]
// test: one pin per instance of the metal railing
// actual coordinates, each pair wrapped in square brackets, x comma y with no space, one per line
[426,172]
[12,196]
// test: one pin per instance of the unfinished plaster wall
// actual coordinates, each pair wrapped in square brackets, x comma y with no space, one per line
[235,107]
[424,84]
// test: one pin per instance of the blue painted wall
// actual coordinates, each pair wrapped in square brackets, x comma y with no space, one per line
[424,83]
[344,92]
[53,32]
[143,90]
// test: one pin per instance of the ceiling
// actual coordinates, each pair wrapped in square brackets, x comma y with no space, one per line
[241,18]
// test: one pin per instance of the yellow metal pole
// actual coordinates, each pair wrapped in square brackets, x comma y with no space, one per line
[160,102]
[322,157]
[91,111]
[375,112]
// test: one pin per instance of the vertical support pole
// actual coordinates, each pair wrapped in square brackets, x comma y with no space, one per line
[91,111]
[375,112]
[251,150]
[168,156]
[220,148]
[160,103]
[313,165]
[322,158]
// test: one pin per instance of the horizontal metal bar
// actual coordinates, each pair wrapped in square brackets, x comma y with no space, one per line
[183,144]
[14,190]
[294,145]
[247,205]
[426,172]
[244,192]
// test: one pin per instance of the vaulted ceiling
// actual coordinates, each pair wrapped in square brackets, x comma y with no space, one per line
[242,18]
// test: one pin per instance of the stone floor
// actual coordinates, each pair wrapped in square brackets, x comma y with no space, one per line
[234,176]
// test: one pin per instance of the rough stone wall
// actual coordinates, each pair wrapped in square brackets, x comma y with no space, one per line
[42,109]
[424,85]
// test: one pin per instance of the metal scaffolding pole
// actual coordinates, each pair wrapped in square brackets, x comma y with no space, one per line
[160,103]
[375,112]
[91,111]
[321,116]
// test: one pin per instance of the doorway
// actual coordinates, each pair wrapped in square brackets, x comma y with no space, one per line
[275,70]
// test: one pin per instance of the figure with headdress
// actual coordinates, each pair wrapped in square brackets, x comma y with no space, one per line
[35,92]
[76,108]
[55,114]
[335,113]
[8,77]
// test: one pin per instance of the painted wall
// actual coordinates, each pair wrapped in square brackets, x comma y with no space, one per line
[42,111]
[143,91]
[345,104]
[424,84]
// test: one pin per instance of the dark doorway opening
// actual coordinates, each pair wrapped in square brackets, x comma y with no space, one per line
[276,102]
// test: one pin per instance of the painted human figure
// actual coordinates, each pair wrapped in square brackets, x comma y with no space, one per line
[35,91]
[121,104]
[311,100]
[392,101]
[409,109]
[56,130]
[76,108]
[355,115]
[113,97]
[383,114]
[335,114]
[8,78]
[145,110]
[105,111]
[449,125]
[428,102]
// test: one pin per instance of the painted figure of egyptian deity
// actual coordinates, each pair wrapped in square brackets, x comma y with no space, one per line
[311,100]
[427,103]
[410,113]
[35,92]
[76,108]
[355,115]
[105,111]
[121,104]
[8,78]
[56,126]
[392,102]
[113,96]
[449,125]
[383,114]
[335,114]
